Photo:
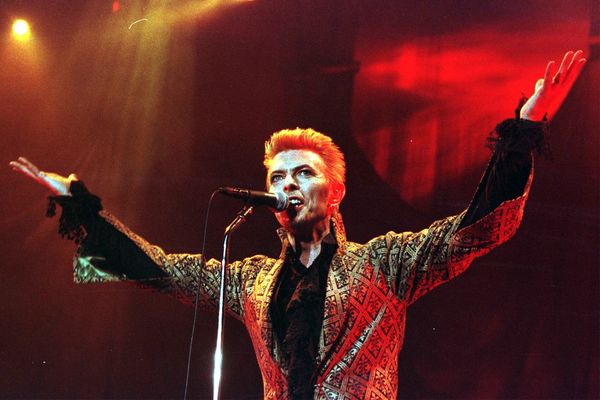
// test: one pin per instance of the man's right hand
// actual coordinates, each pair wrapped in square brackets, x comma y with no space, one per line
[57,184]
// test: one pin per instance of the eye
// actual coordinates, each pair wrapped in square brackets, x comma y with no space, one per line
[306,172]
[276,178]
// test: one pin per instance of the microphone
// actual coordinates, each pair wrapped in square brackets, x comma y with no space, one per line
[277,201]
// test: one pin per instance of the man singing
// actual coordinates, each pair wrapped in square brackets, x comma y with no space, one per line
[326,318]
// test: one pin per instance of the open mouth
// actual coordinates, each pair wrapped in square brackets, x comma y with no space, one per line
[295,202]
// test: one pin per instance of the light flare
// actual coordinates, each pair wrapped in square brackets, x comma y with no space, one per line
[20,29]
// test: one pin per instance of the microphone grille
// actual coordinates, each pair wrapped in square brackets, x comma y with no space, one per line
[282,201]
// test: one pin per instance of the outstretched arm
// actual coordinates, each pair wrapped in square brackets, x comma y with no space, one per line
[444,250]
[109,251]
[510,166]
[99,234]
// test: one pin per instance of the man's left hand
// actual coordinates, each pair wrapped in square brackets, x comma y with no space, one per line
[551,91]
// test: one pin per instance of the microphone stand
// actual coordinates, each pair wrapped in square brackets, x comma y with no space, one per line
[238,220]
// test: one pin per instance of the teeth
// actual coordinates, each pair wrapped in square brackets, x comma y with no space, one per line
[295,202]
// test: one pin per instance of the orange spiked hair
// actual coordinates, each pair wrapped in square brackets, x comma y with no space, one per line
[308,139]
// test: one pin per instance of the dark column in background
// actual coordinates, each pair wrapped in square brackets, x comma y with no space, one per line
[319,66]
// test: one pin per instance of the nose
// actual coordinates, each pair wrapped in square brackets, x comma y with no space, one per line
[289,183]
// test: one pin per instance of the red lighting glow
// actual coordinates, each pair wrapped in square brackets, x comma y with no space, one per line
[115,6]
[443,95]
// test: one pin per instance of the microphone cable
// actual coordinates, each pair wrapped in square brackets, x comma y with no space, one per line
[202,263]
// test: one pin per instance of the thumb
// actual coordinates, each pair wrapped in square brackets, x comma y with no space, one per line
[538,84]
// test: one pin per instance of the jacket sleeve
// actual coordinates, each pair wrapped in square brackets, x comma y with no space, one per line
[418,262]
[109,251]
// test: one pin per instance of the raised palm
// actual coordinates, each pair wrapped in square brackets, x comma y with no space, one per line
[57,184]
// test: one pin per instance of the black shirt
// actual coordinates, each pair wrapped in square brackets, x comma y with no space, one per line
[297,315]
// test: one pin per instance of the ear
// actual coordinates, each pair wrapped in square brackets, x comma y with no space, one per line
[338,191]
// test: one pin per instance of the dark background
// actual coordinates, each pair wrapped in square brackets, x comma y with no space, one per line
[154,116]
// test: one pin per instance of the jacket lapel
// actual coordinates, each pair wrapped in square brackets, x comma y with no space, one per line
[334,313]
[267,287]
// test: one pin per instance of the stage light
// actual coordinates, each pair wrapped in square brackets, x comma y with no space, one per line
[20,29]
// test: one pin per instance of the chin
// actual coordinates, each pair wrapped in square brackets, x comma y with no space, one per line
[291,224]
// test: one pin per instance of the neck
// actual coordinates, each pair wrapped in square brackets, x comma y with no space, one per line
[309,242]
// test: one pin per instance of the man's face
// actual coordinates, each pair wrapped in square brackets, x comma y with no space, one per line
[300,174]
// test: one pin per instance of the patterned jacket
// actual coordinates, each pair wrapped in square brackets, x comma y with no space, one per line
[369,288]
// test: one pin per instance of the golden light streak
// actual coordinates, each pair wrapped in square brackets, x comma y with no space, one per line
[136,22]
[133,61]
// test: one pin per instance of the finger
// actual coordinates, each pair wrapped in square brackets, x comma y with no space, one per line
[562,70]
[566,61]
[23,170]
[17,166]
[575,70]
[29,165]
[549,72]
[576,57]
[539,84]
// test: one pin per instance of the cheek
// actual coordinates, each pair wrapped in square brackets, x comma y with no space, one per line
[321,195]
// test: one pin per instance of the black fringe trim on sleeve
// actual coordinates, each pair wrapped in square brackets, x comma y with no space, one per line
[78,212]
[520,136]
